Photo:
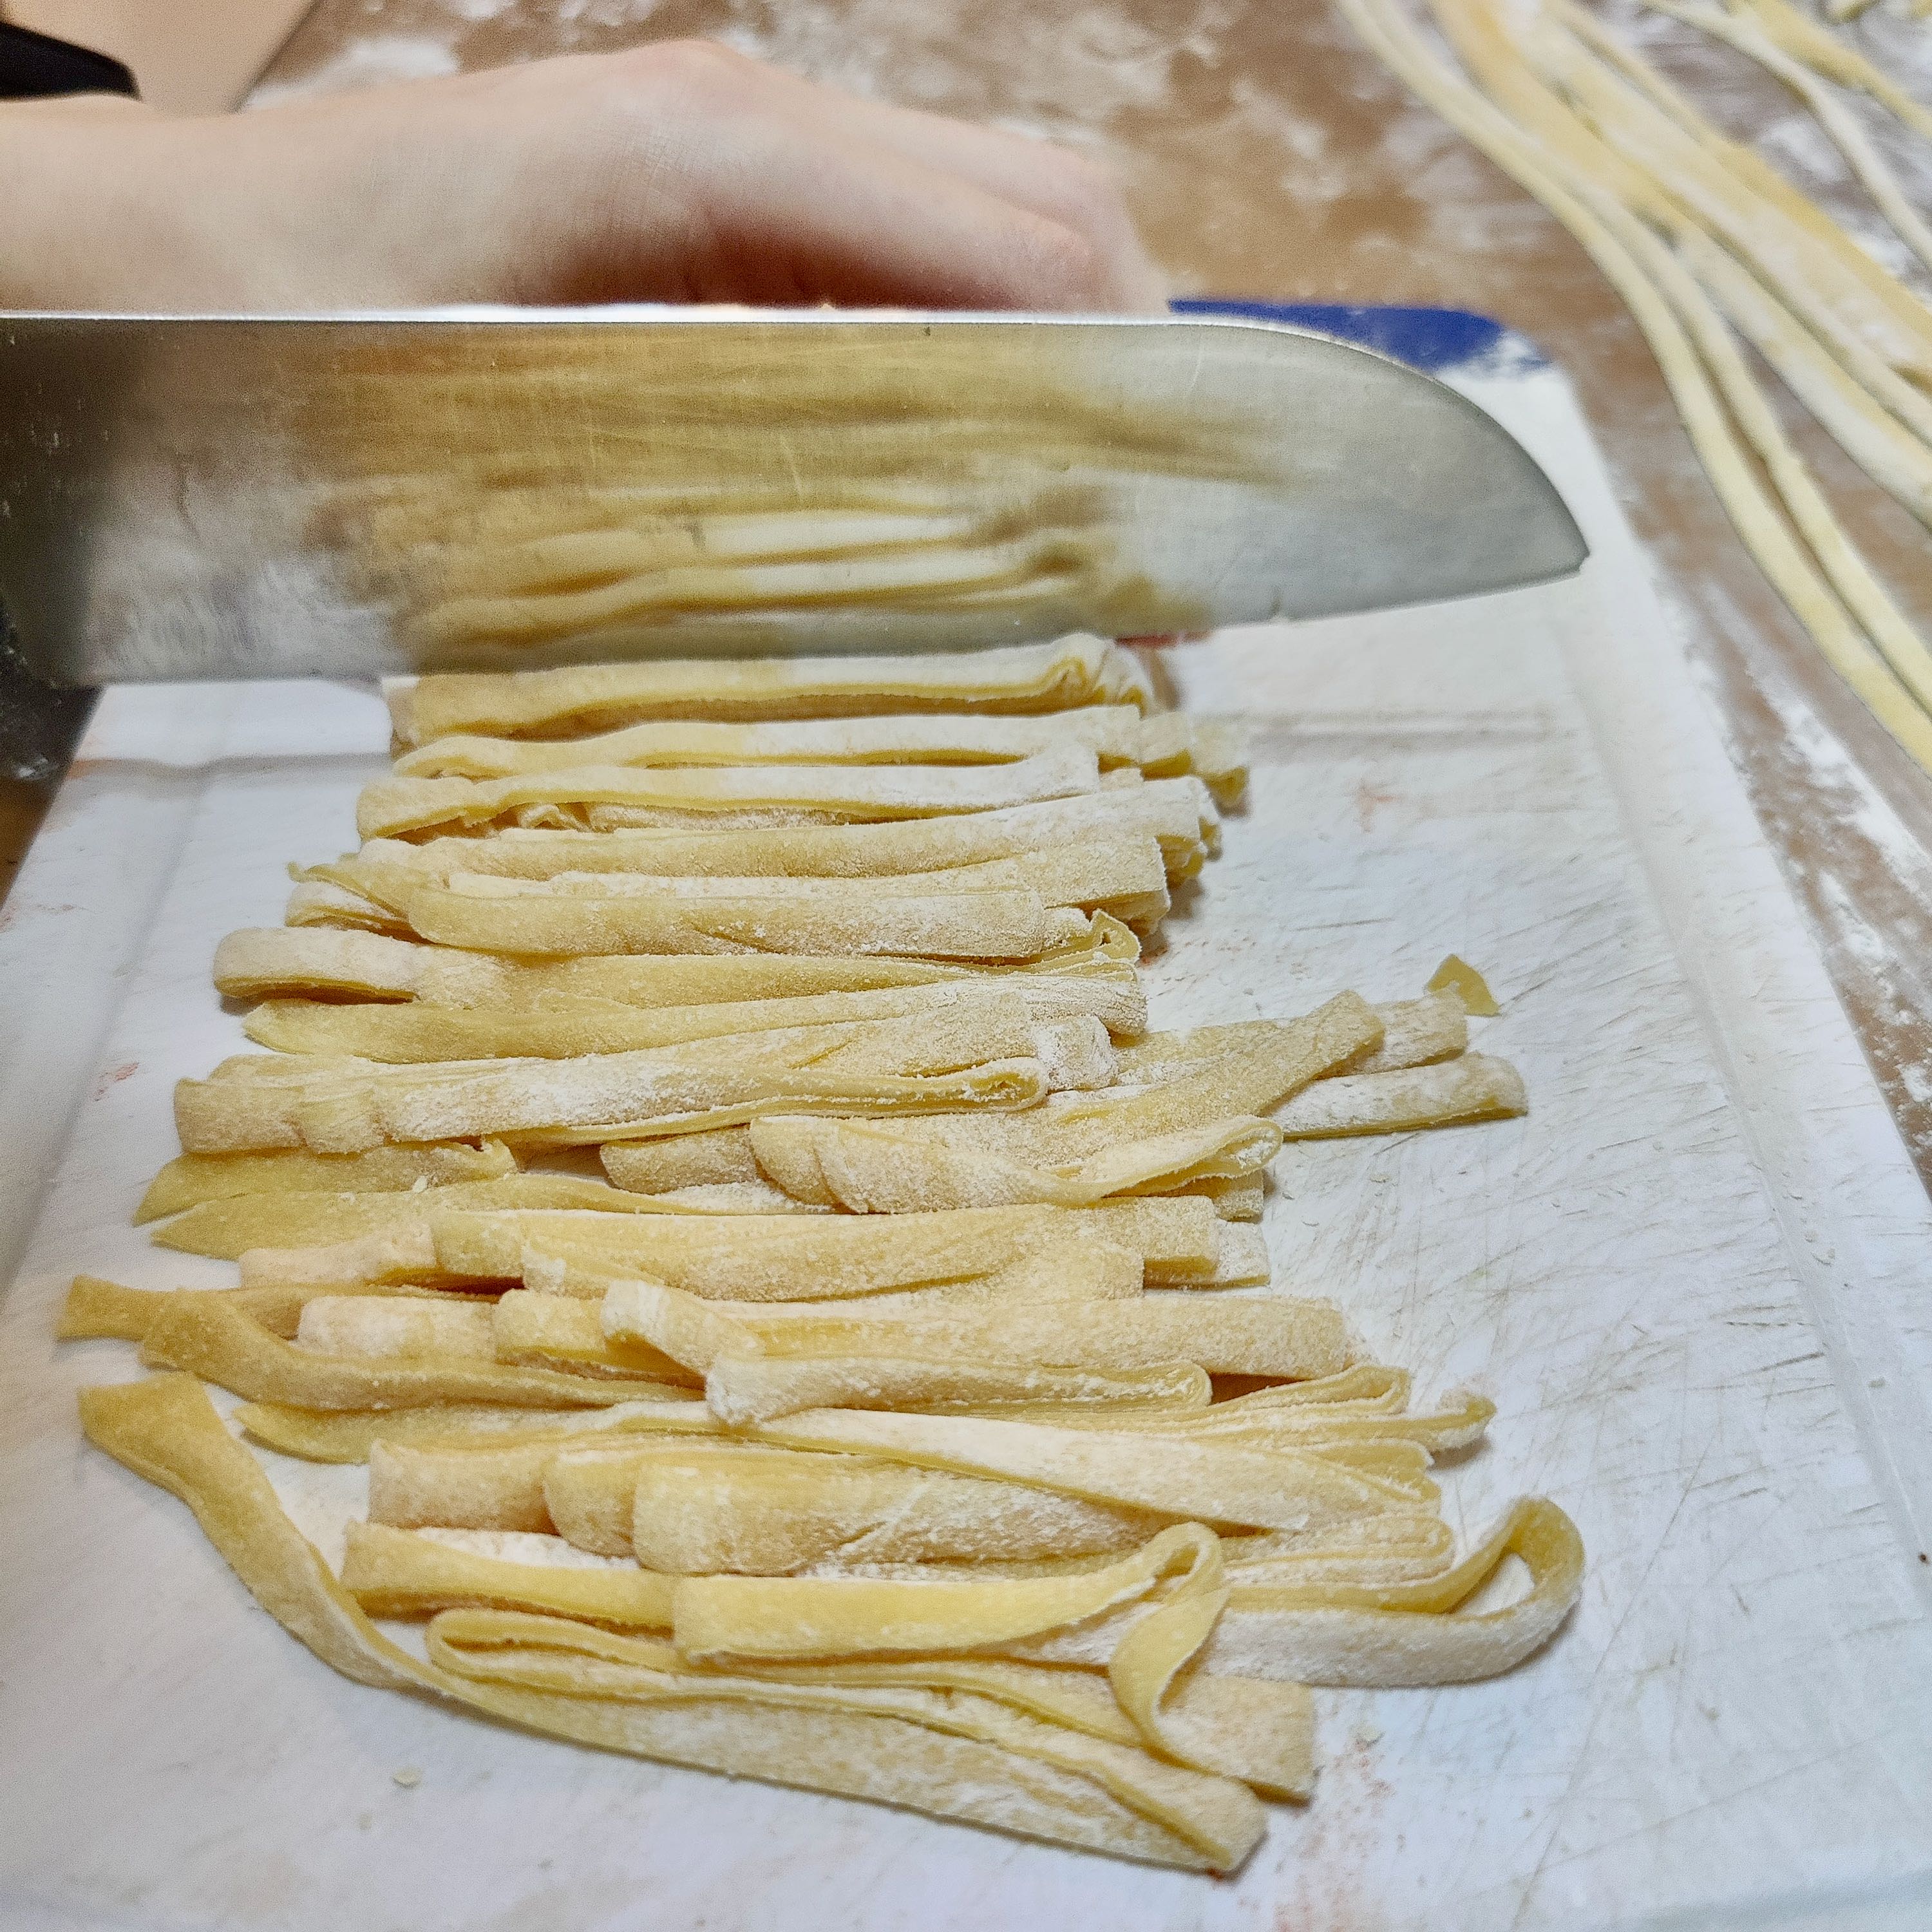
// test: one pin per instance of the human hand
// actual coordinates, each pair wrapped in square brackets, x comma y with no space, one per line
[680,171]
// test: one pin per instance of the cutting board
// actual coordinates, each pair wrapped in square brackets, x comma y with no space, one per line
[1691,1278]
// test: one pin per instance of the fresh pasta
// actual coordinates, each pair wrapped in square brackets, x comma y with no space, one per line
[798,1320]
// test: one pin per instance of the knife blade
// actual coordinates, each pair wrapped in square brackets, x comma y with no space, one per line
[217,497]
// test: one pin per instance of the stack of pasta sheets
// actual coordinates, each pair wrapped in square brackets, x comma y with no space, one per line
[711,1163]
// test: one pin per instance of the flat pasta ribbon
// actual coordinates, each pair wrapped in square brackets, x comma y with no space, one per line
[1013,679]
[265,963]
[1169,810]
[735,1619]
[389,806]
[869,1167]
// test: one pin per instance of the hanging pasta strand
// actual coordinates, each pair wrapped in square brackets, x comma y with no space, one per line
[1742,32]
[1530,132]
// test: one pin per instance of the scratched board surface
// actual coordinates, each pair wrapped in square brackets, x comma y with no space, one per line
[1690,1279]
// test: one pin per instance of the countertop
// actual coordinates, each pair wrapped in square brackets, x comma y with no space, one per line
[1266,154]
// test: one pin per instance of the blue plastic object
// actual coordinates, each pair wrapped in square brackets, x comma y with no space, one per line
[1429,339]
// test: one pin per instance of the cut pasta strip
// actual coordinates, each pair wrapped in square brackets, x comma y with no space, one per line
[213,1339]
[227,1228]
[736,1197]
[1203,842]
[345,1107]
[1023,679]
[1124,876]
[350,1435]
[992,926]
[400,1573]
[496,1487]
[839,794]
[751,1511]
[969,1030]
[1170,812]
[1220,1483]
[166,1428]
[1275,1415]
[718,1158]
[786,1257]
[1240,1198]
[916,1371]
[1113,733]
[1455,976]
[869,1167]
[1293,1340]
[96,1310]
[498,1483]
[719,1619]
[566,1256]
[1389,1635]
[1415,1032]
[189,1179]
[696,1508]
[1476,1088]
[1389,1549]
[435,1327]
[742,1390]
[275,961]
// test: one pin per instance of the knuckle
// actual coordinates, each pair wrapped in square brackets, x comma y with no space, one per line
[704,71]
[659,108]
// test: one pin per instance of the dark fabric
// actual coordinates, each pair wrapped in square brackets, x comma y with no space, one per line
[36,67]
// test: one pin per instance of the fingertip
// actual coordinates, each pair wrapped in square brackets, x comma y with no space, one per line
[1143,290]
[1066,270]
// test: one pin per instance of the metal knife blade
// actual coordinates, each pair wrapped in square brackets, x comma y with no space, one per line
[352,496]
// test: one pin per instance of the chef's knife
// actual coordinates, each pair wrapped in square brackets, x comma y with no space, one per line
[228,497]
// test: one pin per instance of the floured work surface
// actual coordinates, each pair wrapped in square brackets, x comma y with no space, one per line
[1643,1274]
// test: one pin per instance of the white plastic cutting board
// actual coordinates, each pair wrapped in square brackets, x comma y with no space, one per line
[1691,1278]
